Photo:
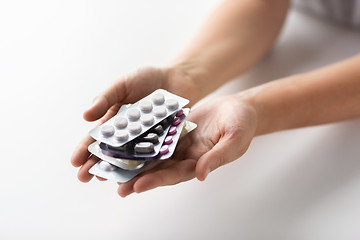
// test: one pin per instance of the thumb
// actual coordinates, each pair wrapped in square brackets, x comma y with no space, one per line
[103,102]
[129,88]
[225,151]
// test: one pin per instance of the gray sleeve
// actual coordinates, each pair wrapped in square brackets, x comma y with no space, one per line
[345,12]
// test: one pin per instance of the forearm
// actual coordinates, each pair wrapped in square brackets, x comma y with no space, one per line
[232,40]
[326,95]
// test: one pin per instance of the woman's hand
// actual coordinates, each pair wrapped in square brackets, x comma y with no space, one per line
[226,126]
[130,89]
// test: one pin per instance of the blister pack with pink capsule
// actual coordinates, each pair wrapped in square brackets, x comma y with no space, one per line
[144,147]
[171,140]
[124,155]
[122,170]
[133,120]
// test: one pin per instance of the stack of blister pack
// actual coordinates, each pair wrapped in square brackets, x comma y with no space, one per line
[138,134]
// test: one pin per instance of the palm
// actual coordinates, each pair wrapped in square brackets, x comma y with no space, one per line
[225,129]
[128,89]
[218,121]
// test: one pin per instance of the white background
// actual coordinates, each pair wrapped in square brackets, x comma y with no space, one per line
[55,56]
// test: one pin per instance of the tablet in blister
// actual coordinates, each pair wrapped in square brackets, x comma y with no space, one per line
[132,120]
[124,163]
[145,146]
[127,169]
[171,140]
[106,170]
[173,134]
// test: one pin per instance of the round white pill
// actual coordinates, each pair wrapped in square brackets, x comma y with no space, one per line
[106,166]
[146,106]
[121,135]
[147,120]
[107,130]
[133,114]
[160,111]
[120,122]
[158,99]
[134,128]
[172,104]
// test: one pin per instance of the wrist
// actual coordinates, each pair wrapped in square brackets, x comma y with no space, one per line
[248,113]
[196,76]
[277,104]
[250,97]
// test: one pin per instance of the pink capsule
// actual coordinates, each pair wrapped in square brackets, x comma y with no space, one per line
[164,149]
[168,140]
[172,130]
[176,122]
[179,113]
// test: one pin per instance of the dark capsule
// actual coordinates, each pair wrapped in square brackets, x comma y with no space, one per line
[151,137]
[164,123]
[158,130]
[144,147]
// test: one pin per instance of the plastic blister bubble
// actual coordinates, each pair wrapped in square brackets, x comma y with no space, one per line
[138,118]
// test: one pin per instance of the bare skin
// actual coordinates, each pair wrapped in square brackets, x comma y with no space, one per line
[106,105]
[220,51]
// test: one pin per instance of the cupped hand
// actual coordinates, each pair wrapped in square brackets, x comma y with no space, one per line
[129,89]
[226,126]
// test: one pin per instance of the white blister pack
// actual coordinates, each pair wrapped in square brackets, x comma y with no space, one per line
[123,170]
[139,134]
[126,164]
[108,171]
[132,120]
[143,147]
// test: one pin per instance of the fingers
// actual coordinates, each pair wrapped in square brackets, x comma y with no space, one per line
[223,152]
[109,114]
[129,88]
[114,94]
[81,153]
[83,174]
[179,172]
[127,188]
[101,179]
